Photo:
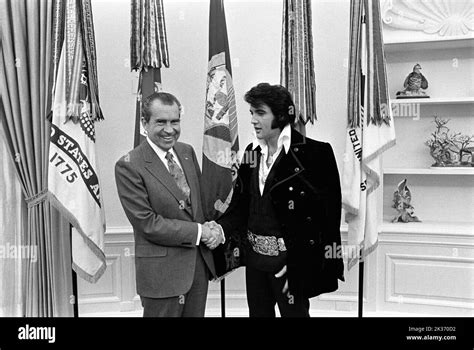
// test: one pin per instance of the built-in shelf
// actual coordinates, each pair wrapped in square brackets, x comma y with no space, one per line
[429,227]
[431,47]
[434,101]
[417,45]
[430,171]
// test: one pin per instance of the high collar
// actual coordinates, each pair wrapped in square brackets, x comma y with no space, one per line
[284,140]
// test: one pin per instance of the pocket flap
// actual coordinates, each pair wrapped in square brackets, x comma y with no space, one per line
[150,250]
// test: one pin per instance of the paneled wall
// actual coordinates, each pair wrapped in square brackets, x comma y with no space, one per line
[410,273]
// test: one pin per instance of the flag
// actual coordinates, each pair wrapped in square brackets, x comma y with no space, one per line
[221,143]
[370,130]
[297,65]
[148,52]
[73,181]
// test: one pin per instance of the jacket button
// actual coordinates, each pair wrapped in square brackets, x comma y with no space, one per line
[295,149]
[302,193]
[311,242]
[290,188]
[297,169]
[309,219]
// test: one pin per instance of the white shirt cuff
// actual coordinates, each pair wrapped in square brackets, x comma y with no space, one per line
[199,234]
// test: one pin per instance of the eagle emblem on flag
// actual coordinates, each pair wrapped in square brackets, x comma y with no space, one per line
[220,125]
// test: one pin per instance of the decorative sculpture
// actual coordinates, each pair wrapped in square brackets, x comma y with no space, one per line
[440,18]
[401,202]
[414,83]
[450,149]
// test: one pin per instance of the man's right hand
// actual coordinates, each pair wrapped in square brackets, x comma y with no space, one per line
[211,234]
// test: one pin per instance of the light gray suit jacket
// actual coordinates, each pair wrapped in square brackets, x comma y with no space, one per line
[165,231]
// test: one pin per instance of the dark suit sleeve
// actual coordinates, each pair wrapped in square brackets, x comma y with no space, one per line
[155,228]
[234,223]
[334,207]
[236,215]
[235,218]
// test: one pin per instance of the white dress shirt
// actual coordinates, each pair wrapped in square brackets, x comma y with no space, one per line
[284,142]
[161,153]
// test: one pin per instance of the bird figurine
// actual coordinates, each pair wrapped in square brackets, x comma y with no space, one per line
[401,202]
[414,82]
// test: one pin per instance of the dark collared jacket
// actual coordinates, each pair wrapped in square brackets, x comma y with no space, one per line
[306,193]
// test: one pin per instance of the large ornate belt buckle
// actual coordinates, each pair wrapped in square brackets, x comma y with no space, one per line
[266,245]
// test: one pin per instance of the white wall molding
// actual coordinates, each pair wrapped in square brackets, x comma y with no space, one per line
[401,288]
[118,231]
[116,291]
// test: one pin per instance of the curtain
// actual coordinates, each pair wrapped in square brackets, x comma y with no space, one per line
[12,218]
[25,90]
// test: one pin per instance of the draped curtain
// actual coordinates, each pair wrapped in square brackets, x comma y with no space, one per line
[25,90]
[12,219]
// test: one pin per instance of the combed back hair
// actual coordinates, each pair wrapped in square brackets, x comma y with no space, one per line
[164,97]
[278,98]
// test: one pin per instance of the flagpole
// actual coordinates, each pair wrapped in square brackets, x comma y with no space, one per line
[361,288]
[74,293]
[223,298]
[361,261]
[74,281]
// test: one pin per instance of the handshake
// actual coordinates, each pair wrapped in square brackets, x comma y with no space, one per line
[212,234]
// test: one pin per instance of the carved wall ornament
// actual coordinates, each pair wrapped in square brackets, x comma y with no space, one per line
[442,17]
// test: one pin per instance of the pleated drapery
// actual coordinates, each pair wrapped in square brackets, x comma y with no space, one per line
[25,88]
[12,220]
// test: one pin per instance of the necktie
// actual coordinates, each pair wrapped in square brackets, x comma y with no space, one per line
[178,176]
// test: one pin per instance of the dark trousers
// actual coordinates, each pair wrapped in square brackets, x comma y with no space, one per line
[264,290]
[191,304]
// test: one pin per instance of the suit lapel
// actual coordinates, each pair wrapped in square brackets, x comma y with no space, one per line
[158,170]
[271,176]
[289,165]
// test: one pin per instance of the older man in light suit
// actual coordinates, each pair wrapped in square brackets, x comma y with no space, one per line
[159,187]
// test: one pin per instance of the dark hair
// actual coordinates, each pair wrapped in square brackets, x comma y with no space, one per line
[278,98]
[164,97]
